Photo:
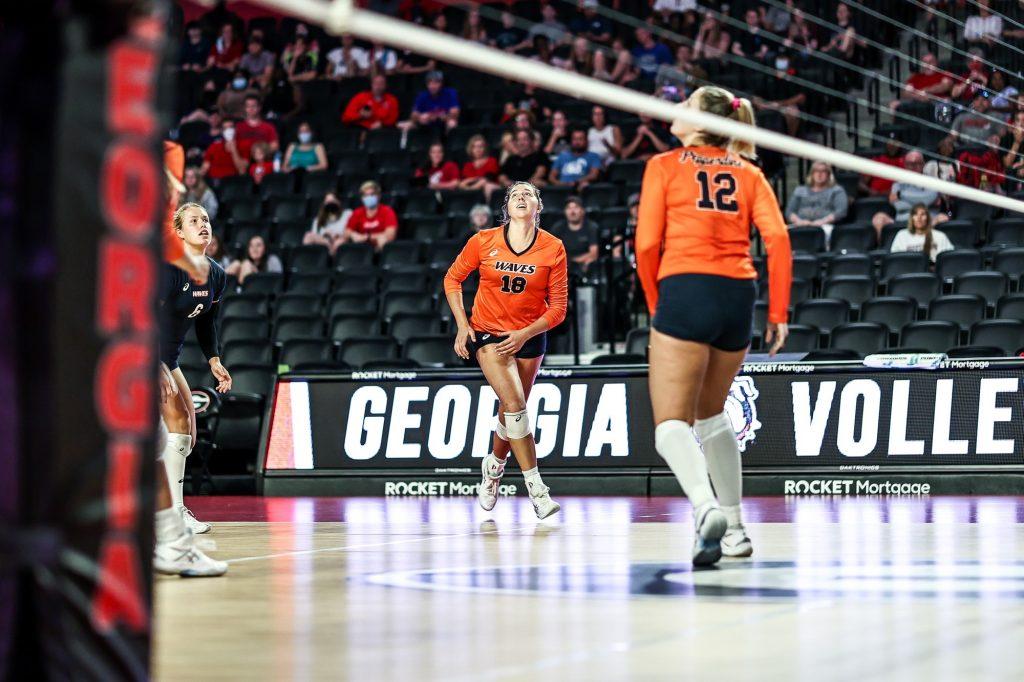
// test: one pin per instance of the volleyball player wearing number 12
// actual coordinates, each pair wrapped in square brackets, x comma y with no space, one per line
[523,293]
[693,259]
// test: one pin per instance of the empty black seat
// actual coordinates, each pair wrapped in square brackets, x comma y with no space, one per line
[852,288]
[890,311]
[823,313]
[248,352]
[637,341]
[802,338]
[263,283]
[962,309]
[257,379]
[902,263]
[989,285]
[309,257]
[357,280]
[297,305]
[406,278]
[277,185]
[427,228]
[922,287]
[964,234]
[852,238]
[306,351]
[238,328]
[400,253]
[935,336]
[1010,307]
[436,349]
[351,254]
[950,264]
[805,266]
[403,302]
[298,327]
[245,305]
[1007,335]
[863,338]
[1009,231]
[286,209]
[443,253]
[850,264]
[316,283]
[1010,262]
[358,351]
[350,325]
[344,303]
[405,326]
[807,239]
[973,351]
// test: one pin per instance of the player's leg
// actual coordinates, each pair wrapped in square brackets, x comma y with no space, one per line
[179,413]
[493,466]
[719,442]
[677,370]
[175,552]
[502,373]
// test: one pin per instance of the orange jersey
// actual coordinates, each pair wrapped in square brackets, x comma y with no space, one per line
[174,164]
[696,207]
[516,290]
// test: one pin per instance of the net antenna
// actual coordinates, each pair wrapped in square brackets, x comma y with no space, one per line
[340,16]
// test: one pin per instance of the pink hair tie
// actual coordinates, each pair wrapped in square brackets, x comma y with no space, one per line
[736,103]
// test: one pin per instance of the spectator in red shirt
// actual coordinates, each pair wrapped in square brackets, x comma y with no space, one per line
[253,128]
[373,108]
[438,172]
[974,81]
[261,166]
[925,85]
[226,52]
[481,171]
[372,222]
[893,156]
[226,156]
[982,168]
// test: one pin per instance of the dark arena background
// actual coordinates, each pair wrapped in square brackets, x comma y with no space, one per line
[882,448]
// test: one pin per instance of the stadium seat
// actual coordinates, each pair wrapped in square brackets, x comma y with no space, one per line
[799,290]
[1007,335]
[428,228]
[352,255]
[962,309]
[922,287]
[422,203]
[851,264]
[348,325]
[889,233]
[401,302]
[316,184]
[950,264]
[805,266]
[863,338]
[760,317]
[312,283]
[346,303]
[289,235]
[363,279]
[405,326]
[964,234]
[601,195]
[852,238]
[382,140]
[902,264]
[270,283]
[248,352]
[637,341]
[1010,262]
[246,209]
[306,351]
[989,285]
[298,327]
[619,359]
[823,313]
[1011,306]
[457,204]
[807,239]
[298,304]
[400,253]
[239,328]
[358,351]
[935,336]
[256,379]
[277,185]
[309,257]
[436,349]
[286,209]
[801,339]
[245,305]
[890,311]
[443,253]
[236,189]
[864,210]
[973,211]
[1008,231]
[974,352]
[851,288]
[191,354]
[626,172]
[412,279]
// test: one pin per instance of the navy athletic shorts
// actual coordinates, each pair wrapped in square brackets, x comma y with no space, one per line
[718,311]
[534,348]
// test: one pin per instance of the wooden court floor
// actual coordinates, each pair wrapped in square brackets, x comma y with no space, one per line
[436,589]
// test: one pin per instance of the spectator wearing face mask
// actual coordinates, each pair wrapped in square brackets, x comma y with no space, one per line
[373,222]
[227,156]
[305,153]
[328,228]
[231,102]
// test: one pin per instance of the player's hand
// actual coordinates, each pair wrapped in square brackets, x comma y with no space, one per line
[777,331]
[461,349]
[168,386]
[221,374]
[513,343]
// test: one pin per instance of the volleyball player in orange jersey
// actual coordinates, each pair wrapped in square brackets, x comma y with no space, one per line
[693,259]
[523,293]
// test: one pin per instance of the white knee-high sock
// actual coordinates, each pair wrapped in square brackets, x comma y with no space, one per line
[175,453]
[675,442]
[723,460]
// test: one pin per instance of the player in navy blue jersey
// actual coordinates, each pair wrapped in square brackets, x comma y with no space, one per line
[183,303]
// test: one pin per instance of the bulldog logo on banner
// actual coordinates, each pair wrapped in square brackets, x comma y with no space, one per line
[741,408]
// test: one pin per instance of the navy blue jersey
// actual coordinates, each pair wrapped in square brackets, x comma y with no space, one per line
[183,302]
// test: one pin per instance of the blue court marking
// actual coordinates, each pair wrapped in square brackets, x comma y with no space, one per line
[732,581]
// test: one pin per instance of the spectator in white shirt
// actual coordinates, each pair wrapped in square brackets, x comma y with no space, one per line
[920,236]
[984,26]
[347,61]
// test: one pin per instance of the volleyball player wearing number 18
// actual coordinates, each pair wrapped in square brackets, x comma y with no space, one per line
[523,293]
[693,259]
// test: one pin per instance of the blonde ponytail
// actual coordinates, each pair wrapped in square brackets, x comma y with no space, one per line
[744,113]
[721,102]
